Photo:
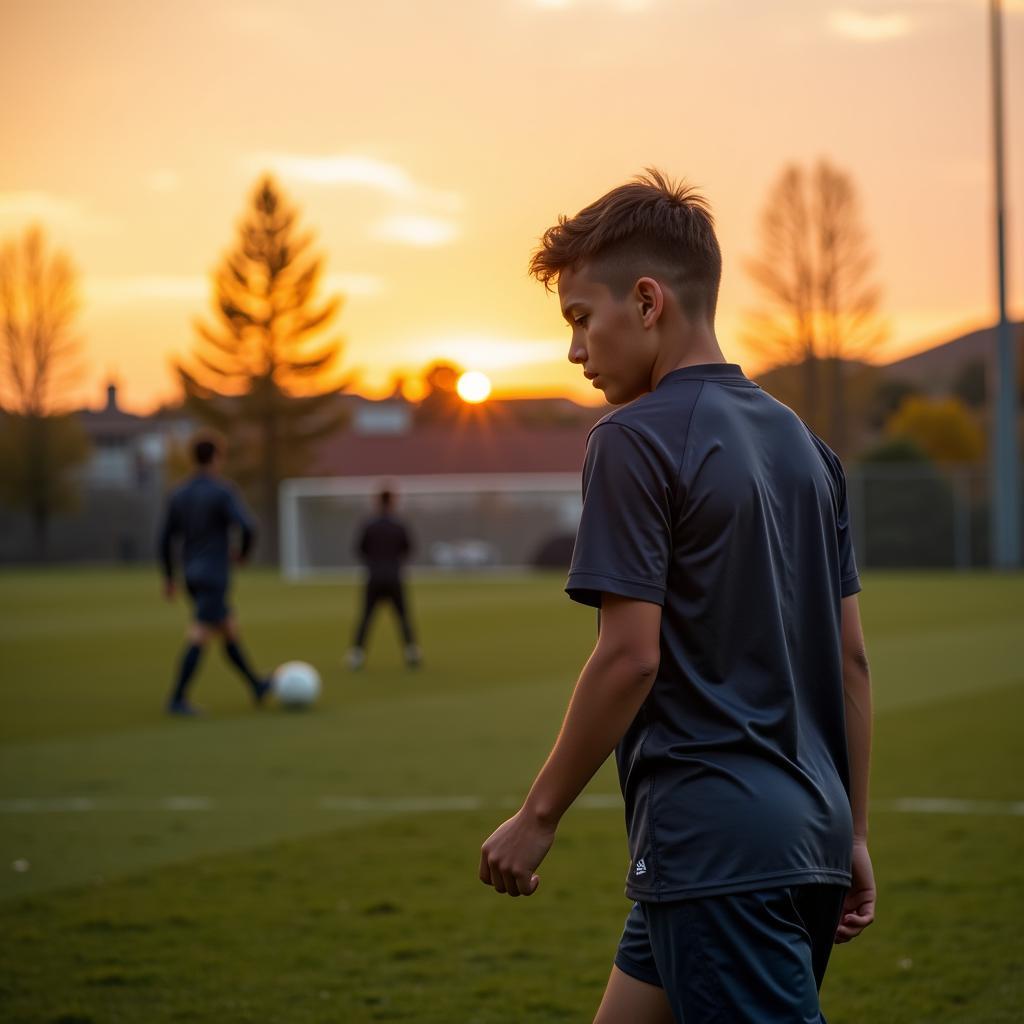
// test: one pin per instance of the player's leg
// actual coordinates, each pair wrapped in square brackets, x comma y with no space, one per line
[357,652]
[628,1000]
[820,908]
[634,994]
[744,957]
[412,652]
[228,629]
[195,640]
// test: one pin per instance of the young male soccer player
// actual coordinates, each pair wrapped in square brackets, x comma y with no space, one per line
[384,547]
[201,513]
[729,668]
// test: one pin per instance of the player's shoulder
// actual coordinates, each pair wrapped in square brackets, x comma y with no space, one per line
[225,487]
[215,490]
[825,459]
[629,440]
[650,421]
[832,462]
[181,491]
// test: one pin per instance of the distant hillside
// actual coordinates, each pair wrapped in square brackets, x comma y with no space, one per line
[937,368]
[933,370]
[786,382]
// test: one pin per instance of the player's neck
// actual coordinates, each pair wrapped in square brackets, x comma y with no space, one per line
[697,345]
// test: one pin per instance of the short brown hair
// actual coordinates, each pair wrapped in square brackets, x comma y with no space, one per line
[651,226]
[205,447]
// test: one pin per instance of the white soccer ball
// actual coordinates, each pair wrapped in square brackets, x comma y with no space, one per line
[296,684]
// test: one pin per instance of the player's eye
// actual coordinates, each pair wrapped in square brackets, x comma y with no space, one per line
[581,320]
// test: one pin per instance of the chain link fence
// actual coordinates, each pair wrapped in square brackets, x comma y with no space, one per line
[921,516]
[903,516]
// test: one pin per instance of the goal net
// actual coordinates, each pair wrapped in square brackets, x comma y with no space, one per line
[456,522]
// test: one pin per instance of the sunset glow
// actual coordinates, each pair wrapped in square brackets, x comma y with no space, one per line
[426,192]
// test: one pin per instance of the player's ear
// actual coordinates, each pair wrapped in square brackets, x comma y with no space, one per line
[650,300]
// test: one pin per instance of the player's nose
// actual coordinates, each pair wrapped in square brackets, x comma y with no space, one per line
[577,353]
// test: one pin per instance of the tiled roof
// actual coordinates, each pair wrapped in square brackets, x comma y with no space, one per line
[470,448]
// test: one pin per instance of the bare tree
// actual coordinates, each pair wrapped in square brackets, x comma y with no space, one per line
[263,373]
[820,308]
[38,304]
[38,445]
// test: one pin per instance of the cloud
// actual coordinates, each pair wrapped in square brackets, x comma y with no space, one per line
[625,6]
[142,289]
[364,285]
[415,229]
[864,27]
[256,21]
[1008,5]
[266,23]
[420,216]
[483,352]
[19,209]
[138,289]
[164,180]
[353,170]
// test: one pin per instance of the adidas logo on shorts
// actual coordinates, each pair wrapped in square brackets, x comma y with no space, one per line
[640,869]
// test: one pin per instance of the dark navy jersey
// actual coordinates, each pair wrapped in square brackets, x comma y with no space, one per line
[383,546]
[712,499]
[202,513]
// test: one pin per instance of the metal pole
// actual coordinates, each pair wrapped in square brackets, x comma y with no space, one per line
[1005,459]
[961,520]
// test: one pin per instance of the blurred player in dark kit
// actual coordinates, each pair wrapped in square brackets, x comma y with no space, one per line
[384,547]
[202,514]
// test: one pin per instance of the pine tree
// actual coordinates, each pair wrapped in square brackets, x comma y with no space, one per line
[262,374]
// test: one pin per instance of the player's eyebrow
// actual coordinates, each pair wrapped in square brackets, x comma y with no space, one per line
[567,312]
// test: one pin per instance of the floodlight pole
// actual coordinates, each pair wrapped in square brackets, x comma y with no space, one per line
[1005,457]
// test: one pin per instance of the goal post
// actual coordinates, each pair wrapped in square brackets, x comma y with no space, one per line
[467,521]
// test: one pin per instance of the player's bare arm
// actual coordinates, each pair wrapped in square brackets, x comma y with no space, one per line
[168,532]
[859,905]
[613,685]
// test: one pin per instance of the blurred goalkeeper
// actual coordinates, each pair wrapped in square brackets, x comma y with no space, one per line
[384,547]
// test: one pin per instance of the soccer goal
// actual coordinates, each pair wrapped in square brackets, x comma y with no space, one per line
[457,522]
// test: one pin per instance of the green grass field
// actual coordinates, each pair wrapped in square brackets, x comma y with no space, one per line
[321,867]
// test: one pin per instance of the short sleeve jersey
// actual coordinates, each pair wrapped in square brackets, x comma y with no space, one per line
[710,498]
[384,545]
[202,511]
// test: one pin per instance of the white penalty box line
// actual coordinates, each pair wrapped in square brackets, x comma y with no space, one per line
[436,804]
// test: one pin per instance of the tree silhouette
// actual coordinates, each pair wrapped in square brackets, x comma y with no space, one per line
[39,446]
[819,305]
[942,428]
[441,402]
[262,374]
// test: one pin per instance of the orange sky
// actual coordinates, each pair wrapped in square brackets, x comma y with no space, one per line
[429,144]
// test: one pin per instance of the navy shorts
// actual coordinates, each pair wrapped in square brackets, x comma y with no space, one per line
[756,957]
[210,603]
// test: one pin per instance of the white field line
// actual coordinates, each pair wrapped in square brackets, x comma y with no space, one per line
[938,805]
[442,804]
[83,804]
[402,805]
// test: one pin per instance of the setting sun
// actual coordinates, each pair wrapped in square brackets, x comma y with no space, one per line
[473,387]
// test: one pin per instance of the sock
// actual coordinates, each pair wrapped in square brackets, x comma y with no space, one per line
[186,669]
[234,652]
